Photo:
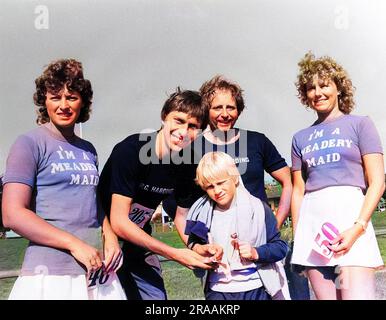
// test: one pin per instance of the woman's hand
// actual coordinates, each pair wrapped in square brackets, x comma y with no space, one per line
[86,254]
[343,243]
[112,253]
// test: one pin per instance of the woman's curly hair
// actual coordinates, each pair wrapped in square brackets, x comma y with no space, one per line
[219,82]
[325,68]
[57,75]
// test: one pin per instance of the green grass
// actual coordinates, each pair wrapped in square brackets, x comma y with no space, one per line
[12,253]
[5,287]
[379,219]
[180,282]
[11,258]
[171,238]
[382,246]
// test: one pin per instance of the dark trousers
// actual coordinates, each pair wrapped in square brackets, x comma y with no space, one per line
[141,277]
[255,294]
[297,283]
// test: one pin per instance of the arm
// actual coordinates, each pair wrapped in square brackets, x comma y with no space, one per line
[180,223]
[297,197]
[373,165]
[111,249]
[212,250]
[275,249]
[126,229]
[18,216]
[283,176]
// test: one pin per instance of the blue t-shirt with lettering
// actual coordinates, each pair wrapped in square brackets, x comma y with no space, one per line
[330,153]
[63,175]
[133,170]
[253,154]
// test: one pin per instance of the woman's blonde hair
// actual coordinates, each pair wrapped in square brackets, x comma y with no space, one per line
[325,68]
[215,166]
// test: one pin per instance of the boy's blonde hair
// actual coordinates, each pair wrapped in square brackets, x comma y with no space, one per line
[216,166]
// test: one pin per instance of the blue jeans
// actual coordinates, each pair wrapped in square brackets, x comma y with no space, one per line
[297,283]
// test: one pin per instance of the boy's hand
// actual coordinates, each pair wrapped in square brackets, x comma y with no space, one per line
[209,250]
[246,250]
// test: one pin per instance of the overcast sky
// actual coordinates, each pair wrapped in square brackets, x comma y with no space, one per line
[135,52]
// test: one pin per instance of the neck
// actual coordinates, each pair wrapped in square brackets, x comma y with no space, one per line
[333,114]
[222,137]
[66,133]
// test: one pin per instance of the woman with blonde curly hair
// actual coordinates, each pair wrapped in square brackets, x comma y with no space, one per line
[50,198]
[338,177]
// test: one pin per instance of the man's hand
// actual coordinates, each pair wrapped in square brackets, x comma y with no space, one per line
[214,251]
[191,259]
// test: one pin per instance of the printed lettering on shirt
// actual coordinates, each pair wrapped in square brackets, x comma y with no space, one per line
[155,189]
[336,131]
[325,157]
[140,214]
[241,160]
[316,134]
[66,163]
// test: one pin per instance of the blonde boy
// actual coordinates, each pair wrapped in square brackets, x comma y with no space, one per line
[238,230]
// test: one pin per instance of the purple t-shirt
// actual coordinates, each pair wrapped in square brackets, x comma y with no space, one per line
[63,175]
[330,153]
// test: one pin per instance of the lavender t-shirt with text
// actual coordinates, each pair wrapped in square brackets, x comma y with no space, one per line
[63,176]
[330,153]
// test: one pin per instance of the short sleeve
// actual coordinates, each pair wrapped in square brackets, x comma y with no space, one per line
[169,205]
[296,158]
[22,162]
[369,140]
[272,159]
[121,171]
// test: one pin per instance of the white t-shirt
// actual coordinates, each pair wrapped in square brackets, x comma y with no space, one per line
[222,280]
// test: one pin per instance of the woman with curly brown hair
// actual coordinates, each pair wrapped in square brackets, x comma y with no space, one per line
[338,177]
[50,197]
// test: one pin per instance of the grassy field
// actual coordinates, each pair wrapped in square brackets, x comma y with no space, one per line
[11,258]
[180,282]
[379,220]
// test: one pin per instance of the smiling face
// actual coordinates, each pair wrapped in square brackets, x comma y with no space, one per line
[63,108]
[218,175]
[223,112]
[179,130]
[322,95]
[222,192]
